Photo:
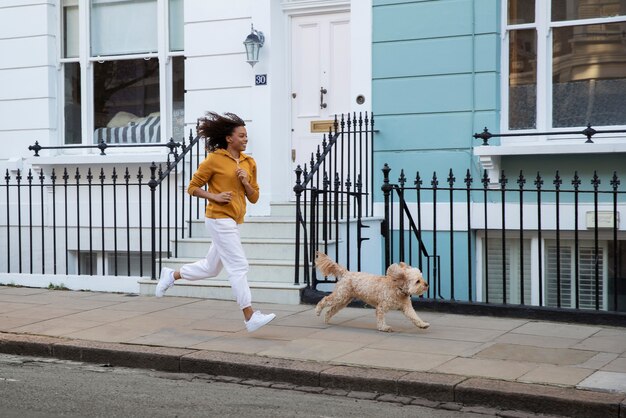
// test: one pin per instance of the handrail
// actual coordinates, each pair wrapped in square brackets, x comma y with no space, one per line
[340,170]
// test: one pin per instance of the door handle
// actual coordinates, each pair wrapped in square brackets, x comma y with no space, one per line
[323,91]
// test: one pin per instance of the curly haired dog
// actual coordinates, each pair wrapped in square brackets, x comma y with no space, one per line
[392,291]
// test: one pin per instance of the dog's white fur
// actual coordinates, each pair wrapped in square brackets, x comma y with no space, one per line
[392,291]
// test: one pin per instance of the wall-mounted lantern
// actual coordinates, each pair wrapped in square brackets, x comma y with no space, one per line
[253,44]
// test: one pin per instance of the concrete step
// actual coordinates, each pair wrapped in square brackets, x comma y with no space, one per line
[261,270]
[262,292]
[256,227]
[254,248]
[283,209]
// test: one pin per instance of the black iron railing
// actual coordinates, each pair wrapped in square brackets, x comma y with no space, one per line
[588,132]
[513,244]
[334,192]
[107,221]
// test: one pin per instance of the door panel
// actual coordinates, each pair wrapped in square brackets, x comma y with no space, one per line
[320,72]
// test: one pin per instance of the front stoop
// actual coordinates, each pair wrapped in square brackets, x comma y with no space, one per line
[262,292]
[269,244]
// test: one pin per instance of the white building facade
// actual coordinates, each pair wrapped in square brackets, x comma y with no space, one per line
[75,73]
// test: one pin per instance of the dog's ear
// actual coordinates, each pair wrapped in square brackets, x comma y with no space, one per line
[397,273]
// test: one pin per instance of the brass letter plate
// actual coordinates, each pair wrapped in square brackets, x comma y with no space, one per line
[322,125]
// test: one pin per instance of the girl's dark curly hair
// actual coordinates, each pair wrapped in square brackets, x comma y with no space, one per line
[215,128]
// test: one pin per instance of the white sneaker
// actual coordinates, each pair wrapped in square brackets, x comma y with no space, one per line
[257,320]
[166,280]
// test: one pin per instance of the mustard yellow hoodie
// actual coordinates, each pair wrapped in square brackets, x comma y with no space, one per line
[219,172]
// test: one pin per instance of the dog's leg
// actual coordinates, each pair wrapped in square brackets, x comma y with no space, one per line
[336,307]
[380,319]
[321,305]
[409,312]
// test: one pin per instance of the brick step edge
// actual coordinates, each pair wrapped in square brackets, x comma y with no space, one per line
[503,395]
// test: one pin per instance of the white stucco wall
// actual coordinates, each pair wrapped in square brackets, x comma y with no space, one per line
[28,72]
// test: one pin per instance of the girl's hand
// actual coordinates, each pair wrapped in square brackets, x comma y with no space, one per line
[223,198]
[243,176]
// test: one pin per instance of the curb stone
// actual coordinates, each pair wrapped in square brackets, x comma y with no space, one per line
[398,386]
[538,398]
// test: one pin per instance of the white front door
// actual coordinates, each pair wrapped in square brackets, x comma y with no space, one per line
[320,73]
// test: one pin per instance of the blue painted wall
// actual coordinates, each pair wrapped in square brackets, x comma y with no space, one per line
[435,82]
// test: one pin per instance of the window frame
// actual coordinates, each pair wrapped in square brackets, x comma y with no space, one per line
[86,60]
[543,26]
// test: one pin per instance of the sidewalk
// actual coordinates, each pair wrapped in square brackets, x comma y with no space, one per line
[516,364]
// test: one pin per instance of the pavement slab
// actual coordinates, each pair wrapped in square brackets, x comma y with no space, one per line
[424,345]
[552,329]
[556,375]
[399,360]
[609,381]
[617,365]
[610,343]
[317,350]
[555,356]
[57,327]
[495,369]
[239,344]
[479,322]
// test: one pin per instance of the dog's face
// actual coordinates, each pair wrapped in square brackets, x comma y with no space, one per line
[408,279]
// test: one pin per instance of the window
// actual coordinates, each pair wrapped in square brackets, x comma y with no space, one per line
[513,274]
[121,80]
[566,63]
[611,282]
[586,275]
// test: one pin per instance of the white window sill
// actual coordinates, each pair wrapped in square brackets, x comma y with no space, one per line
[490,155]
[99,160]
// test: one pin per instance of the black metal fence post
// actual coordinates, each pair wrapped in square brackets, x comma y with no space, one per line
[152,183]
[384,227]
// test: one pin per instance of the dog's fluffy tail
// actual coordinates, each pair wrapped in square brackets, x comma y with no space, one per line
[327,266]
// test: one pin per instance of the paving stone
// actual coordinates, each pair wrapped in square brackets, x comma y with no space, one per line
[404,400]
[335,392]
[227,379]
[556,375]
[521,353]
[362,395]
[284,386]
[255,382]
[451,406]
[602,380]
[310,389]
[425,402]
[479,410]
[538,398]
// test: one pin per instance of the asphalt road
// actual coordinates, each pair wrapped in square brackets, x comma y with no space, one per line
[34,387]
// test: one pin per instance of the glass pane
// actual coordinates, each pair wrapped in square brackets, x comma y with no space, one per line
[123,27]
[70,28]
[176,25]
[589,75]
[178,98]
[126,101]
[523,79]
[587,9]
[521,11]
[72,103]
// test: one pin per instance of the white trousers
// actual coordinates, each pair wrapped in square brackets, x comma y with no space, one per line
[226,251]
